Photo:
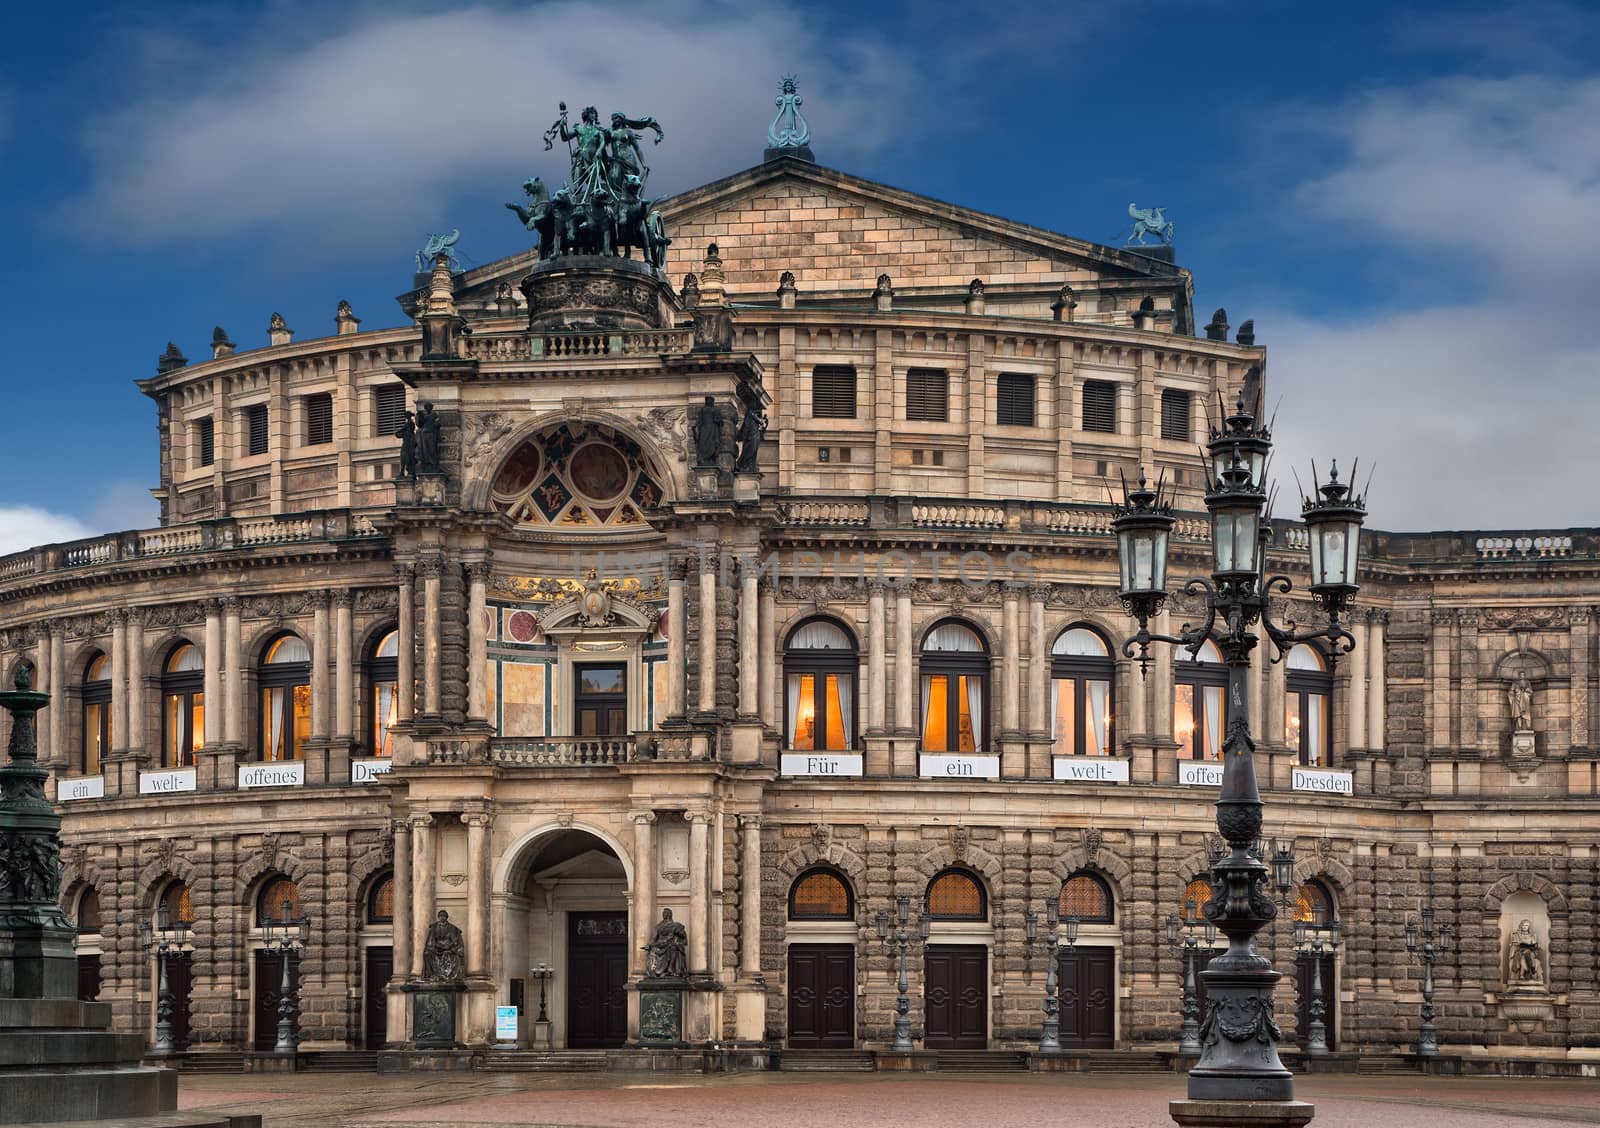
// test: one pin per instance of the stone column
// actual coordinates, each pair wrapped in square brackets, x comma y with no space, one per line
[135,741]
[1039,667]
[1355,710]
[708,633]
[60,744]
[1466,702]
[44,680]
[477,641]
[422,876]
[676,644]
[406,675]
[477,929]
[905,708]
[749,644]
[644,887]
[750,899]
[429,570]
[1377,737]
[215,649]
[320,697]
[119,680]
[233,685]
[1258,687]
[1277,689]
[769,651]
[699,889]
[344,675]
[877,673]
[1011,672]
[1579,620]
[404,927]
[1161,676]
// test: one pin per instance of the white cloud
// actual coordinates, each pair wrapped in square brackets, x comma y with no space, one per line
[369,131]
[25,526]
[1478,411]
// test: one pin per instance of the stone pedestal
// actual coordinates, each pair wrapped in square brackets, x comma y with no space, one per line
[435,1015]
[1528,1007]
[1241,1114]
[661,1014]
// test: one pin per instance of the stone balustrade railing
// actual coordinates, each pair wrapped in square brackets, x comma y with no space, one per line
[826,513]
[561,752]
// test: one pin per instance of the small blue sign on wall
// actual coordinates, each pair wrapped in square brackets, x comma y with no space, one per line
[505,1024]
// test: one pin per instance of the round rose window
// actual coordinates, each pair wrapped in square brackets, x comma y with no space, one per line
[599,472]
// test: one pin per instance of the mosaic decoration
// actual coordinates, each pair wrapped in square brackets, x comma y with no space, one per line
[577,476]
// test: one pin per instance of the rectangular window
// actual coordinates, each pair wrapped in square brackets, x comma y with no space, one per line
[1100,406]
[206,439]
[950,704]
[1014,400]
[1175,415]
[833,391]
[185,723]
[928,395]
[319,419]
[389,402]
[820,723]
[255,426]
[384,700]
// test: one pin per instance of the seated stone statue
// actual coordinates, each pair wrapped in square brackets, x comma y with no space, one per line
[443,953]
[667,954]
[1527,957]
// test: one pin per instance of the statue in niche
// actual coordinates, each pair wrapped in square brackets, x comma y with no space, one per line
[407,434]
[1525,958]
[750,433]
[443,953]
[1520,698]
[707,433]
[427,439]
[667,954]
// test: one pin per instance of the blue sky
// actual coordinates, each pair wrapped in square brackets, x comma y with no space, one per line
[1404,199]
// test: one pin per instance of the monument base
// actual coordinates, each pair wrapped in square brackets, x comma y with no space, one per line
[1241,1114]
[661,1012]
[435,1015]
[60,1061]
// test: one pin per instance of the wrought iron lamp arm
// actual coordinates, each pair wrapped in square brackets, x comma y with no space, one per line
[1285,637]
[1191,638]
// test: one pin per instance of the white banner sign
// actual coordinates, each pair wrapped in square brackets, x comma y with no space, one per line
[821,764]
[365,771]
[160,783]
[1200,773]
[1329,781]
[288,773]
[82,787]
[1091,769]
[960,767]
[505,1024]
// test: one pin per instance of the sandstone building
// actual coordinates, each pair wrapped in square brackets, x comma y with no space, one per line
[579,677]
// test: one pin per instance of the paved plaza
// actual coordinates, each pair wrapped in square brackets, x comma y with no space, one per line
[779,1100]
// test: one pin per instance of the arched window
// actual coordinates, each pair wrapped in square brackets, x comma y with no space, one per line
[285,680]
[1313,904]
[279,902]
[175,906]
[1195,895]
[1087,897]
[1199,710]
[820,894]
[955,670]
[183,712]
[1308,712]
[380,901]
[819,674]
[97,732]
[1081,705]
[383,681]
[89,921]
[956,894]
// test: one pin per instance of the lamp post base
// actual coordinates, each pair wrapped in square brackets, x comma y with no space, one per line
[1241,1114]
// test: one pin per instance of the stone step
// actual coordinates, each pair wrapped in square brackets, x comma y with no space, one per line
[209,1061]
[339,1061]
[829,1061]
[545,1061]
[981,1061]
[93,1093]
[30,1048]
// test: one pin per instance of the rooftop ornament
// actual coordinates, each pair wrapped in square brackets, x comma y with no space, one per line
[1148,221]
[788,135]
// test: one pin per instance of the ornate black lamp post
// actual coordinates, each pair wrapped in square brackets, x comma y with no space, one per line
[1050,1031]
[900,937]
[543,972]
[1238,1038]
[1317,938]
[167,937]
[285,936]
[1183,936]
[1425,945]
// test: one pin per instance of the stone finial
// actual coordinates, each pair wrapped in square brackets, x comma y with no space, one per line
[441,288]
[171,360]
[883,296]
[346,321]
[1217,327]
[1247,332]
[689,294]
[713,319]
[220,345]
[278,331]
[974,300]
[787,292]
[1061,309]
[788,135]
[713,288]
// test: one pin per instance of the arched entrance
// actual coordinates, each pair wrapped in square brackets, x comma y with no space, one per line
[566,910]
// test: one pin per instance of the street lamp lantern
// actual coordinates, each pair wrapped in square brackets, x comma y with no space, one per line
[1143,525]
[1072,930]
[1283,869]
[1235,505]
[1333,527]
[1030,927]
[1241,434]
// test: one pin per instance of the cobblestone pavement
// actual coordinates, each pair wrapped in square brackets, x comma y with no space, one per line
[786,1100]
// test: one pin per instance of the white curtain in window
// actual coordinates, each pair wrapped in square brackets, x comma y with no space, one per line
[927,695]
[274,749]
[794,706]
[847,703]
[1099,716]
[1316,727]
[1055,697]
[1213,711]
[953,638]
[819,635]
[975,710]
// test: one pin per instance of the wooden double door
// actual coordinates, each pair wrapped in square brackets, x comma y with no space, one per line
[956,997]
[269,992]
[1303,966]
[379,970]
[597,977]
[1088,987]
[822,991]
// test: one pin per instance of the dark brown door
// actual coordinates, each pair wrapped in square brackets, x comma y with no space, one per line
[956,995]
[602,700]
[597,972]
[1088,998]
[380,969]
[1303,966]
[180,984]
[88,978]
[269,980]
[822,987]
